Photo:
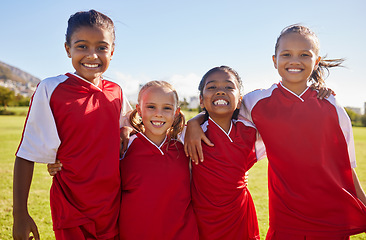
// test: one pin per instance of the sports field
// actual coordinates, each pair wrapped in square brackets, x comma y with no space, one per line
[10,133]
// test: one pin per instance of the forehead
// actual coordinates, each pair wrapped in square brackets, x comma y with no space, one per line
[221,76]
[161,95]
[86,33]
[297,41]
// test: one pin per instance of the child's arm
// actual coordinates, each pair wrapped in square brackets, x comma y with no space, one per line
[193,137]
[125,133]
[359,191]
[23,223]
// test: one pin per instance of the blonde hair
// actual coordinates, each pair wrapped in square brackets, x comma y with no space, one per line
[318,75]
[179,120]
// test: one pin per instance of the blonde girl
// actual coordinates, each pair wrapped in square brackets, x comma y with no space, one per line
[156,198]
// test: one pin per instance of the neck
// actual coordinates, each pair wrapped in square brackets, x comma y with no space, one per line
[156,139]
[296,88]
[223,122]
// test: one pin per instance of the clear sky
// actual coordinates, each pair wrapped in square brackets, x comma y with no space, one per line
[178,41]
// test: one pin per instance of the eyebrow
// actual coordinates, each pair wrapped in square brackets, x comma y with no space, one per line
[212,81]
[78,41]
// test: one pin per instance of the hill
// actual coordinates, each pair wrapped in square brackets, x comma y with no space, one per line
[17,80]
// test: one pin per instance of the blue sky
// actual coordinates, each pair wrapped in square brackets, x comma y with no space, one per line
[178,41]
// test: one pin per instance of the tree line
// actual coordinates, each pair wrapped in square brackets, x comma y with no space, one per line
[9,98]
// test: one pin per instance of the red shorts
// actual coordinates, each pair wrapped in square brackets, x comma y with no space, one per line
[275,235]
[84,232]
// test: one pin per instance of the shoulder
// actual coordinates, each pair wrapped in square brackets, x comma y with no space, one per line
[204,126]
[52,81]
[46,87]
[243,122]
[111,84]
[252,98]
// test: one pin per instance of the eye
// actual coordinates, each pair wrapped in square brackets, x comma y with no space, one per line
[305,55]
[168,108]
[211,87]
[285,55]
[81,46]
[102,48]
[150,107]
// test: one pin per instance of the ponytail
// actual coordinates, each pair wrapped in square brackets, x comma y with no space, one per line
[135,121]
[322,71]
[177,126]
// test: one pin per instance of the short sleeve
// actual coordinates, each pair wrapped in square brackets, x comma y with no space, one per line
[40,139]
[125,112]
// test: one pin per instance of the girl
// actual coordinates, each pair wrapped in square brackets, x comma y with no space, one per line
[222,203]
[314,192]
[156,198]
[76,118]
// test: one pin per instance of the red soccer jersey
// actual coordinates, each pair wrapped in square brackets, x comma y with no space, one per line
[78,123]
[156,198]
[222,203]
[310,149]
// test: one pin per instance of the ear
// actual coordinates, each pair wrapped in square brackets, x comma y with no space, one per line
[201,102]
[177,112]
[239,102]
[67,48]
[112,52]
[138,109]
[274,61]
[317,61]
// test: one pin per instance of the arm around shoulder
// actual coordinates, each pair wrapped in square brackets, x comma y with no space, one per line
[192,139]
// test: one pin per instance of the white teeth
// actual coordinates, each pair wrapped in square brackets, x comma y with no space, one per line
[90,65]
[220,102]
[294,70]
[157,123]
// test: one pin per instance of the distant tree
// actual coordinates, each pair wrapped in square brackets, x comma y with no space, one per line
[355,117]
[184,104]
[20,100]
[363,120]
[6,96]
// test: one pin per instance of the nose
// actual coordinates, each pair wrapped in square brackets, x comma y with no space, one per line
[220,91]
[159,113]
[294,60]
[92,54]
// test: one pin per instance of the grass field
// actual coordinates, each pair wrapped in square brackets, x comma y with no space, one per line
[10,133]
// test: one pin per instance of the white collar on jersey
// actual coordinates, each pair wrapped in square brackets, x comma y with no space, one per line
[298,96]
[81,78]
[227,134]
[158,147]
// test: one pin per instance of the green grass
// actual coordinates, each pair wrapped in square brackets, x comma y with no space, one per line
[10,134]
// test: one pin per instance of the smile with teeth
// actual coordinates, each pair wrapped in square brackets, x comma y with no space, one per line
[91,65]
[157,123]
[294,70]
[220,102]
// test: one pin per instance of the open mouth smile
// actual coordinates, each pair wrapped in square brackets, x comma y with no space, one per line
[294,70]
[91,65]
[220,102]
[157,123]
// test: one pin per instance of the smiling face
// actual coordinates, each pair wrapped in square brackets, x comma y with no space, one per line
[220,96]
[157,108]
[295,59]
[91,50]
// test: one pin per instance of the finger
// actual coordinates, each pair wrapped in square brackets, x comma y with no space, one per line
[207,141]
[35,232]
[193,154]
[199,152]
[186,149]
